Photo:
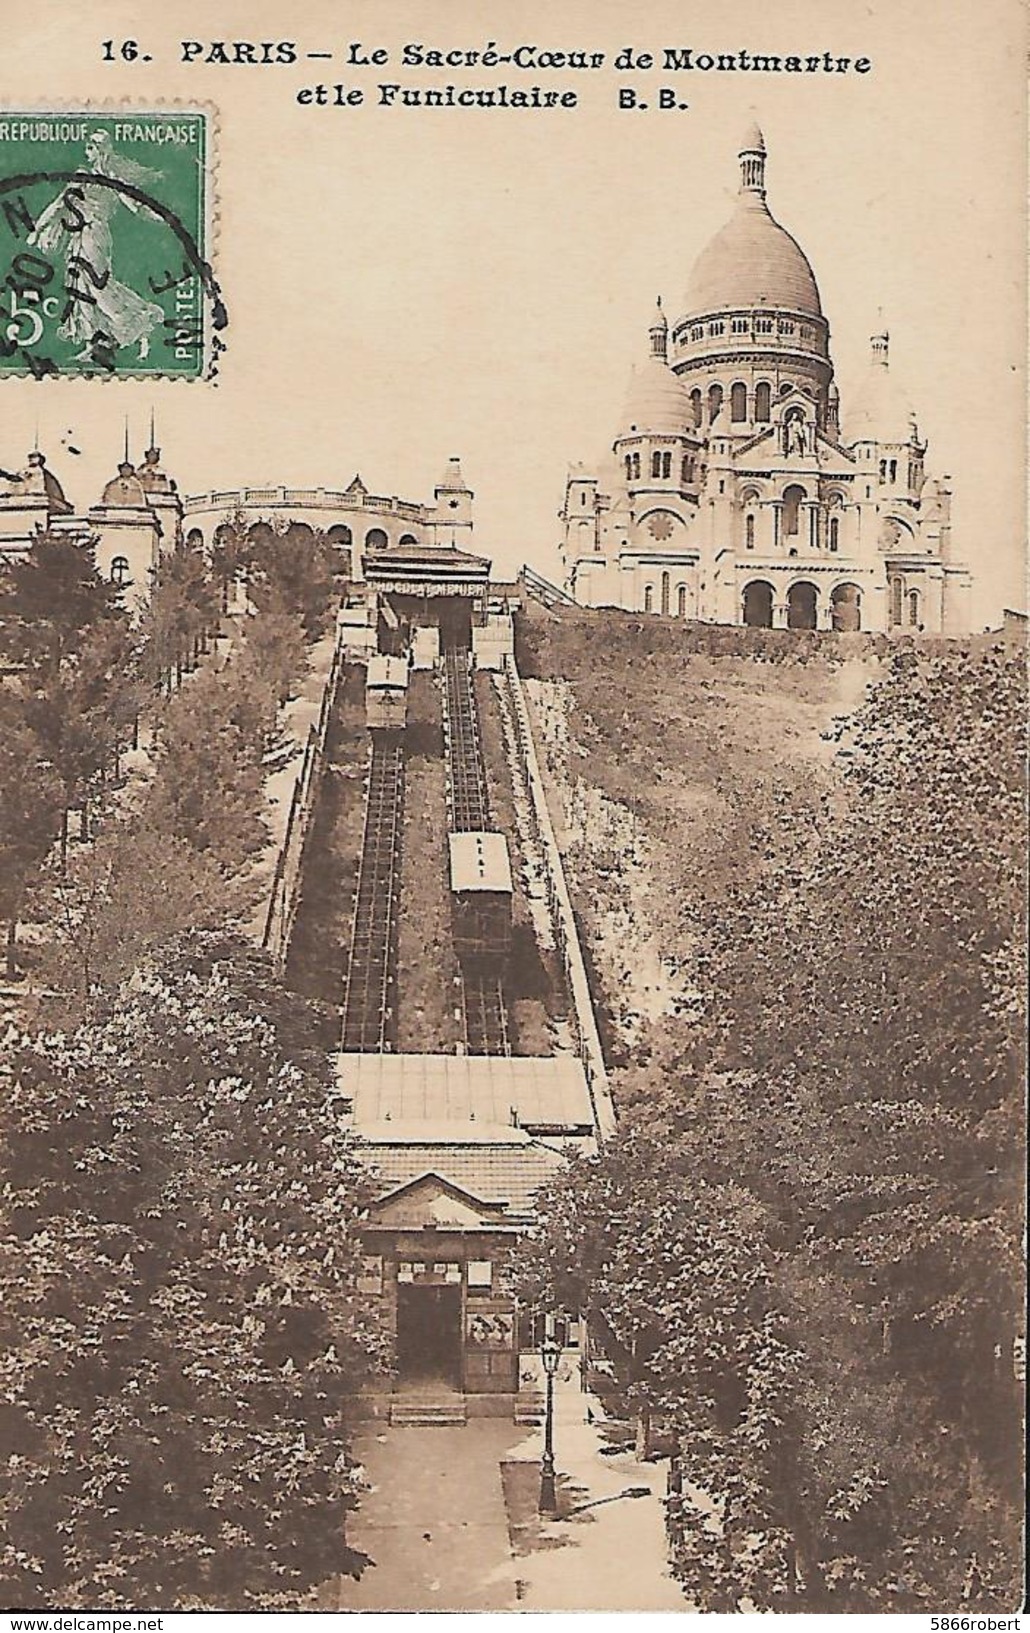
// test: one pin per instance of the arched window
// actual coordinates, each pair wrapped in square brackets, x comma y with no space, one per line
[681,601]
[120,570]
[758,605]
[194,539]
[635,472]
[667,464]
[897,599]
[695,404]
[894,470]
[738,401]
[883,470]
[629,468]
[792,498]
[834,534]
[786,389]
[656,463]
[913,608]
[714,401]
[749,532]
[376,539]
[648,598]
[686,472]
[763,401]
[665,594]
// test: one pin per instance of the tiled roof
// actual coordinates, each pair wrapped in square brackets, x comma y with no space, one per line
[505,1175]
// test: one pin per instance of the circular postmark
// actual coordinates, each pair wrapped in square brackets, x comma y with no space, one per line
[103,264]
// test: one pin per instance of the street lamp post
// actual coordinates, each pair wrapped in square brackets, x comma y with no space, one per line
[550,1355]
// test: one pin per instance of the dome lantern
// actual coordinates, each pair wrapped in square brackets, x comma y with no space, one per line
[752,162]
[659,333]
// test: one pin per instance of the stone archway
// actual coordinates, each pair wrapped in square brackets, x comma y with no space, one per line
[340,539]
[846,608]
[802,599]
[758,604]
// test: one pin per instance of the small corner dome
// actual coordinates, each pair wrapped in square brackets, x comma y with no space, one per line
[125,490]
[656,401]
[882,410]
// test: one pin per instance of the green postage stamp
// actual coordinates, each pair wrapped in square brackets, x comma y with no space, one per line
[104,244]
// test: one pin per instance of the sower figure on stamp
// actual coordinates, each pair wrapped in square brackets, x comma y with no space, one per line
[76,228]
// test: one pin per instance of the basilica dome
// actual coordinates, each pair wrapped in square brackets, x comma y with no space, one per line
[752,261]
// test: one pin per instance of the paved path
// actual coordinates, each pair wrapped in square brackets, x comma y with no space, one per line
[437,1525]
[434,1522]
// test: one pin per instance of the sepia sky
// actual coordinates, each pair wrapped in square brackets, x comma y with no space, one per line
[406,284]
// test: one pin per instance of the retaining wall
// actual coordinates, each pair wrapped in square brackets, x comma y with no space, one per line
[285,894]
[566,935]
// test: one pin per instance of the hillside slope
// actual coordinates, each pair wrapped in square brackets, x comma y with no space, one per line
[669,749]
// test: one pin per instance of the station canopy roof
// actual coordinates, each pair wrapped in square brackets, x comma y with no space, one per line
[479,862]
[482,1099]
[426,569]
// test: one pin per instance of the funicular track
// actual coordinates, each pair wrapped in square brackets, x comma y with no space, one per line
[466,771]
[369,1012]
[484,1013]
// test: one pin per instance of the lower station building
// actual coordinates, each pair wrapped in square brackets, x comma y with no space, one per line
[738,491]
[459,1145]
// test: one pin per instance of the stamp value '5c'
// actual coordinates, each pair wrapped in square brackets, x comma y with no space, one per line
[104,222]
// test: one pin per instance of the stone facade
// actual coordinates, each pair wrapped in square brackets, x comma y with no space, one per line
[141,514]
[137,518]
[734,492]
[356,521]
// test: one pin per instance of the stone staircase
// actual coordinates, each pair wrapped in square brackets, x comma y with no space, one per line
[529,1408]
[444,1413]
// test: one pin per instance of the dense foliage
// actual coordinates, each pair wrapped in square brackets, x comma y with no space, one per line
[838,1124]
[171,847]
[180,1326]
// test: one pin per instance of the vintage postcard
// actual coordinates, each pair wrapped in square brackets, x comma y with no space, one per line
[512,810]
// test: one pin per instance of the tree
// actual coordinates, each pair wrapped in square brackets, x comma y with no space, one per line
[50,599]
[291,571]
[31,803]
[207,789]
[179,617]
[181,1244]
[852,1069]
[126,895]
